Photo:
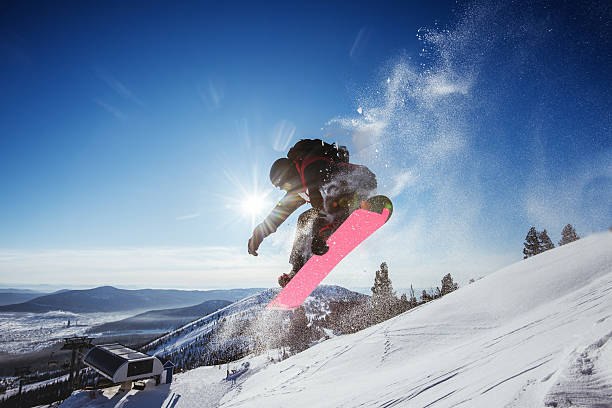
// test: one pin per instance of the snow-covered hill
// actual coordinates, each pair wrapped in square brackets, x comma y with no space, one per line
[161,320]
[534,334]
[229,323]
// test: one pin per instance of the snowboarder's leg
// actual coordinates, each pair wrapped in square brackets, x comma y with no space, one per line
[313,229]
[302,244]
[324,227]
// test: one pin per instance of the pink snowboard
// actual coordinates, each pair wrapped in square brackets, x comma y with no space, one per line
[357,227]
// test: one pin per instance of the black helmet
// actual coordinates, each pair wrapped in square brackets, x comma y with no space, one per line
[283,174]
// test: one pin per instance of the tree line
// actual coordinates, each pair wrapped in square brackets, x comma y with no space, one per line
[350,317]
[42,395]
[537,242]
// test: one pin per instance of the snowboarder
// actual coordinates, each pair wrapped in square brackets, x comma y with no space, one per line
[318,173]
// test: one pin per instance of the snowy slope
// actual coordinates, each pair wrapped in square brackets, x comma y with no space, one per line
[517,338]
[202,387]
[533,334]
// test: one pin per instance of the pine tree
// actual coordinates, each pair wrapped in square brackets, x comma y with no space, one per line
[413,300]
[425,296]
[545,241]
[448,285]
[382,284]
[384,301]
[568,235]
[532,244]
[404,304]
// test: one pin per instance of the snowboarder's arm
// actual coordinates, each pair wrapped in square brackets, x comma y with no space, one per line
[285,207]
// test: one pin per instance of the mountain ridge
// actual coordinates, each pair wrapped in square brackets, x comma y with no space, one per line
[112,299]
[161,319]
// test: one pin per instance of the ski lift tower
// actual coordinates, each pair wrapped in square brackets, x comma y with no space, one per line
[76,344]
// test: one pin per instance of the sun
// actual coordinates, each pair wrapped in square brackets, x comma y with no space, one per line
[254,204]
[247,201]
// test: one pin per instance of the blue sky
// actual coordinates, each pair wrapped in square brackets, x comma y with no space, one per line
[131,133]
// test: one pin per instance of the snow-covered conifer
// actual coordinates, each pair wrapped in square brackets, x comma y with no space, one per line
[448,285]
[545,241]
[532,244]
[413,300]
[382,284]
[384,301]
[568,235]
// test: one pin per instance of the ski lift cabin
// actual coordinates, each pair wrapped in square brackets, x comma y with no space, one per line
[121,364]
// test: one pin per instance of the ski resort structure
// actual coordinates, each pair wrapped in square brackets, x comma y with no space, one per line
[120,364]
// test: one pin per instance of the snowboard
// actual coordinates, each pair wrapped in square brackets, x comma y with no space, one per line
[362,223]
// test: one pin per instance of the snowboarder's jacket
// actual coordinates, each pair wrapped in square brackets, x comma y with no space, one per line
[316,163]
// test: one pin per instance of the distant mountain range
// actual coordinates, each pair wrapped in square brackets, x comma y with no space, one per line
[16,290]
[111,299]
[161,320]
[11,296]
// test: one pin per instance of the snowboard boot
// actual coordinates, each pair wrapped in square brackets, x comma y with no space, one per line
[284,279]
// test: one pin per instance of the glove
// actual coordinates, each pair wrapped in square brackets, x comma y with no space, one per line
[255,240]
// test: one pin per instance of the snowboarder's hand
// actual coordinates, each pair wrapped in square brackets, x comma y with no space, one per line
[255,240]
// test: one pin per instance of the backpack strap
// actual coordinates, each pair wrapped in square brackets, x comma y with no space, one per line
[301,165]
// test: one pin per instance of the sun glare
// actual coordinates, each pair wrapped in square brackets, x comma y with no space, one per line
[253,205]
[247,201]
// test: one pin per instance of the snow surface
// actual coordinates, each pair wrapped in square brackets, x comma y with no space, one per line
[202,387]
[533,334]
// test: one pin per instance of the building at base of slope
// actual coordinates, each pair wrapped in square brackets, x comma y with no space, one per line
[120,364]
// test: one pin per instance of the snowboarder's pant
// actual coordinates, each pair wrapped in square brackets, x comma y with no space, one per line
[313,228]
[342,195]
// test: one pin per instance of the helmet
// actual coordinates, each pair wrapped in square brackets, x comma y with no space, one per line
[283,174]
